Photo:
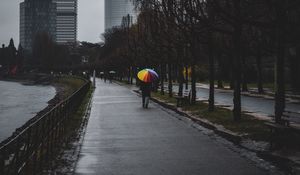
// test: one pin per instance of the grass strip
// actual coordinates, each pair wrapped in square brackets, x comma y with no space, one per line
[249,126]
[68,85]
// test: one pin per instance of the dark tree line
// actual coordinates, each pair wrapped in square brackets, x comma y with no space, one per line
[11,59]
[224,41]
[50,56]
[47,56]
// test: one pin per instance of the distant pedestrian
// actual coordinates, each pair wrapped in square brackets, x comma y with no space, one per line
[110,77]
[146,93]
[105,77]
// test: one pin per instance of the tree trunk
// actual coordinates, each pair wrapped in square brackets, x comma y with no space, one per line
[131,74]
[237,64]
[180,79]
[244,74]
[220,71]
[279,84]
[193,100]
[280,63]
[237,92]
[170,84]
[162,76]
[211,100]
[186,77]
[175,73]
[260,88]
[180,76]
[231,67]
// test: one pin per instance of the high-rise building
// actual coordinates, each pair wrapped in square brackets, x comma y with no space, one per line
[66,21]
[115,10]
[36,16]
[57,18]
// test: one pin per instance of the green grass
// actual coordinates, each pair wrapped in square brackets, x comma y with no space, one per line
[68,85]
[252,127]
[249,126]
[82,108]
[165,97]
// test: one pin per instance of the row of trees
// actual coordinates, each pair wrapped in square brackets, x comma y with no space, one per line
[11,59]
[49,56]
[46,56]
[232,39]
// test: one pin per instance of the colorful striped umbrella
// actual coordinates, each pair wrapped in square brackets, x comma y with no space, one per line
[147,75]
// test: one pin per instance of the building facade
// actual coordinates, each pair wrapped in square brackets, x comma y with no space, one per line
[36,16]
[66,21]
[115,10]
[57,18]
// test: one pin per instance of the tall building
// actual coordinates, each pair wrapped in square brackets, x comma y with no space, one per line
[36,16]
[115,10]
[57,18]
[66,21]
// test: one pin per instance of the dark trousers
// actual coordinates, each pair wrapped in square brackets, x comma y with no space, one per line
[145,102]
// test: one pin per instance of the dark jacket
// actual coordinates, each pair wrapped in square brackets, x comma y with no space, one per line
[146,89]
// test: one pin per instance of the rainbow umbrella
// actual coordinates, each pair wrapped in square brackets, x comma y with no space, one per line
[147,75]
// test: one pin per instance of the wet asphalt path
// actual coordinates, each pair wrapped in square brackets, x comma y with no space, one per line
[122,138]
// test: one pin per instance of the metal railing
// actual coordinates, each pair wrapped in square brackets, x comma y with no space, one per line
[27,151]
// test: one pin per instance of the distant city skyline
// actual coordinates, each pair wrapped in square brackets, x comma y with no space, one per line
[87,12]
[57,18]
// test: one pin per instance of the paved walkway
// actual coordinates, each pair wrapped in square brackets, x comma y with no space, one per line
[122,138]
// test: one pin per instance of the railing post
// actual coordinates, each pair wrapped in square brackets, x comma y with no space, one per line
[42,147]
[16,157]
[36,142]
[28,150]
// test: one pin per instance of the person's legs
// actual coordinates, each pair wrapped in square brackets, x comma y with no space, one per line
[143,99]
[146,102]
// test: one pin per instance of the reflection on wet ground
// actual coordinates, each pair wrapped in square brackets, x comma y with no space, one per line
[123,138]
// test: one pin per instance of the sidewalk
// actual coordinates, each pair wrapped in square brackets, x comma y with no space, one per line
[123,138]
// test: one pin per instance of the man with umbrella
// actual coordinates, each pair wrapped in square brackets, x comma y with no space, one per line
[147,76]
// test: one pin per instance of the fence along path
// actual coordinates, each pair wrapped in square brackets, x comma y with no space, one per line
[27,151]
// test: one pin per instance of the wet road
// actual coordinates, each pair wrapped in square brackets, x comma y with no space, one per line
[122,138]
[19,103]
[260,106]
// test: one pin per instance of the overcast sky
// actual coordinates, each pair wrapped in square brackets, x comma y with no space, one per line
[90,20]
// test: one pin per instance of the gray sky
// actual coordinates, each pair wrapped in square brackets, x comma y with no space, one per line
[90,20]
